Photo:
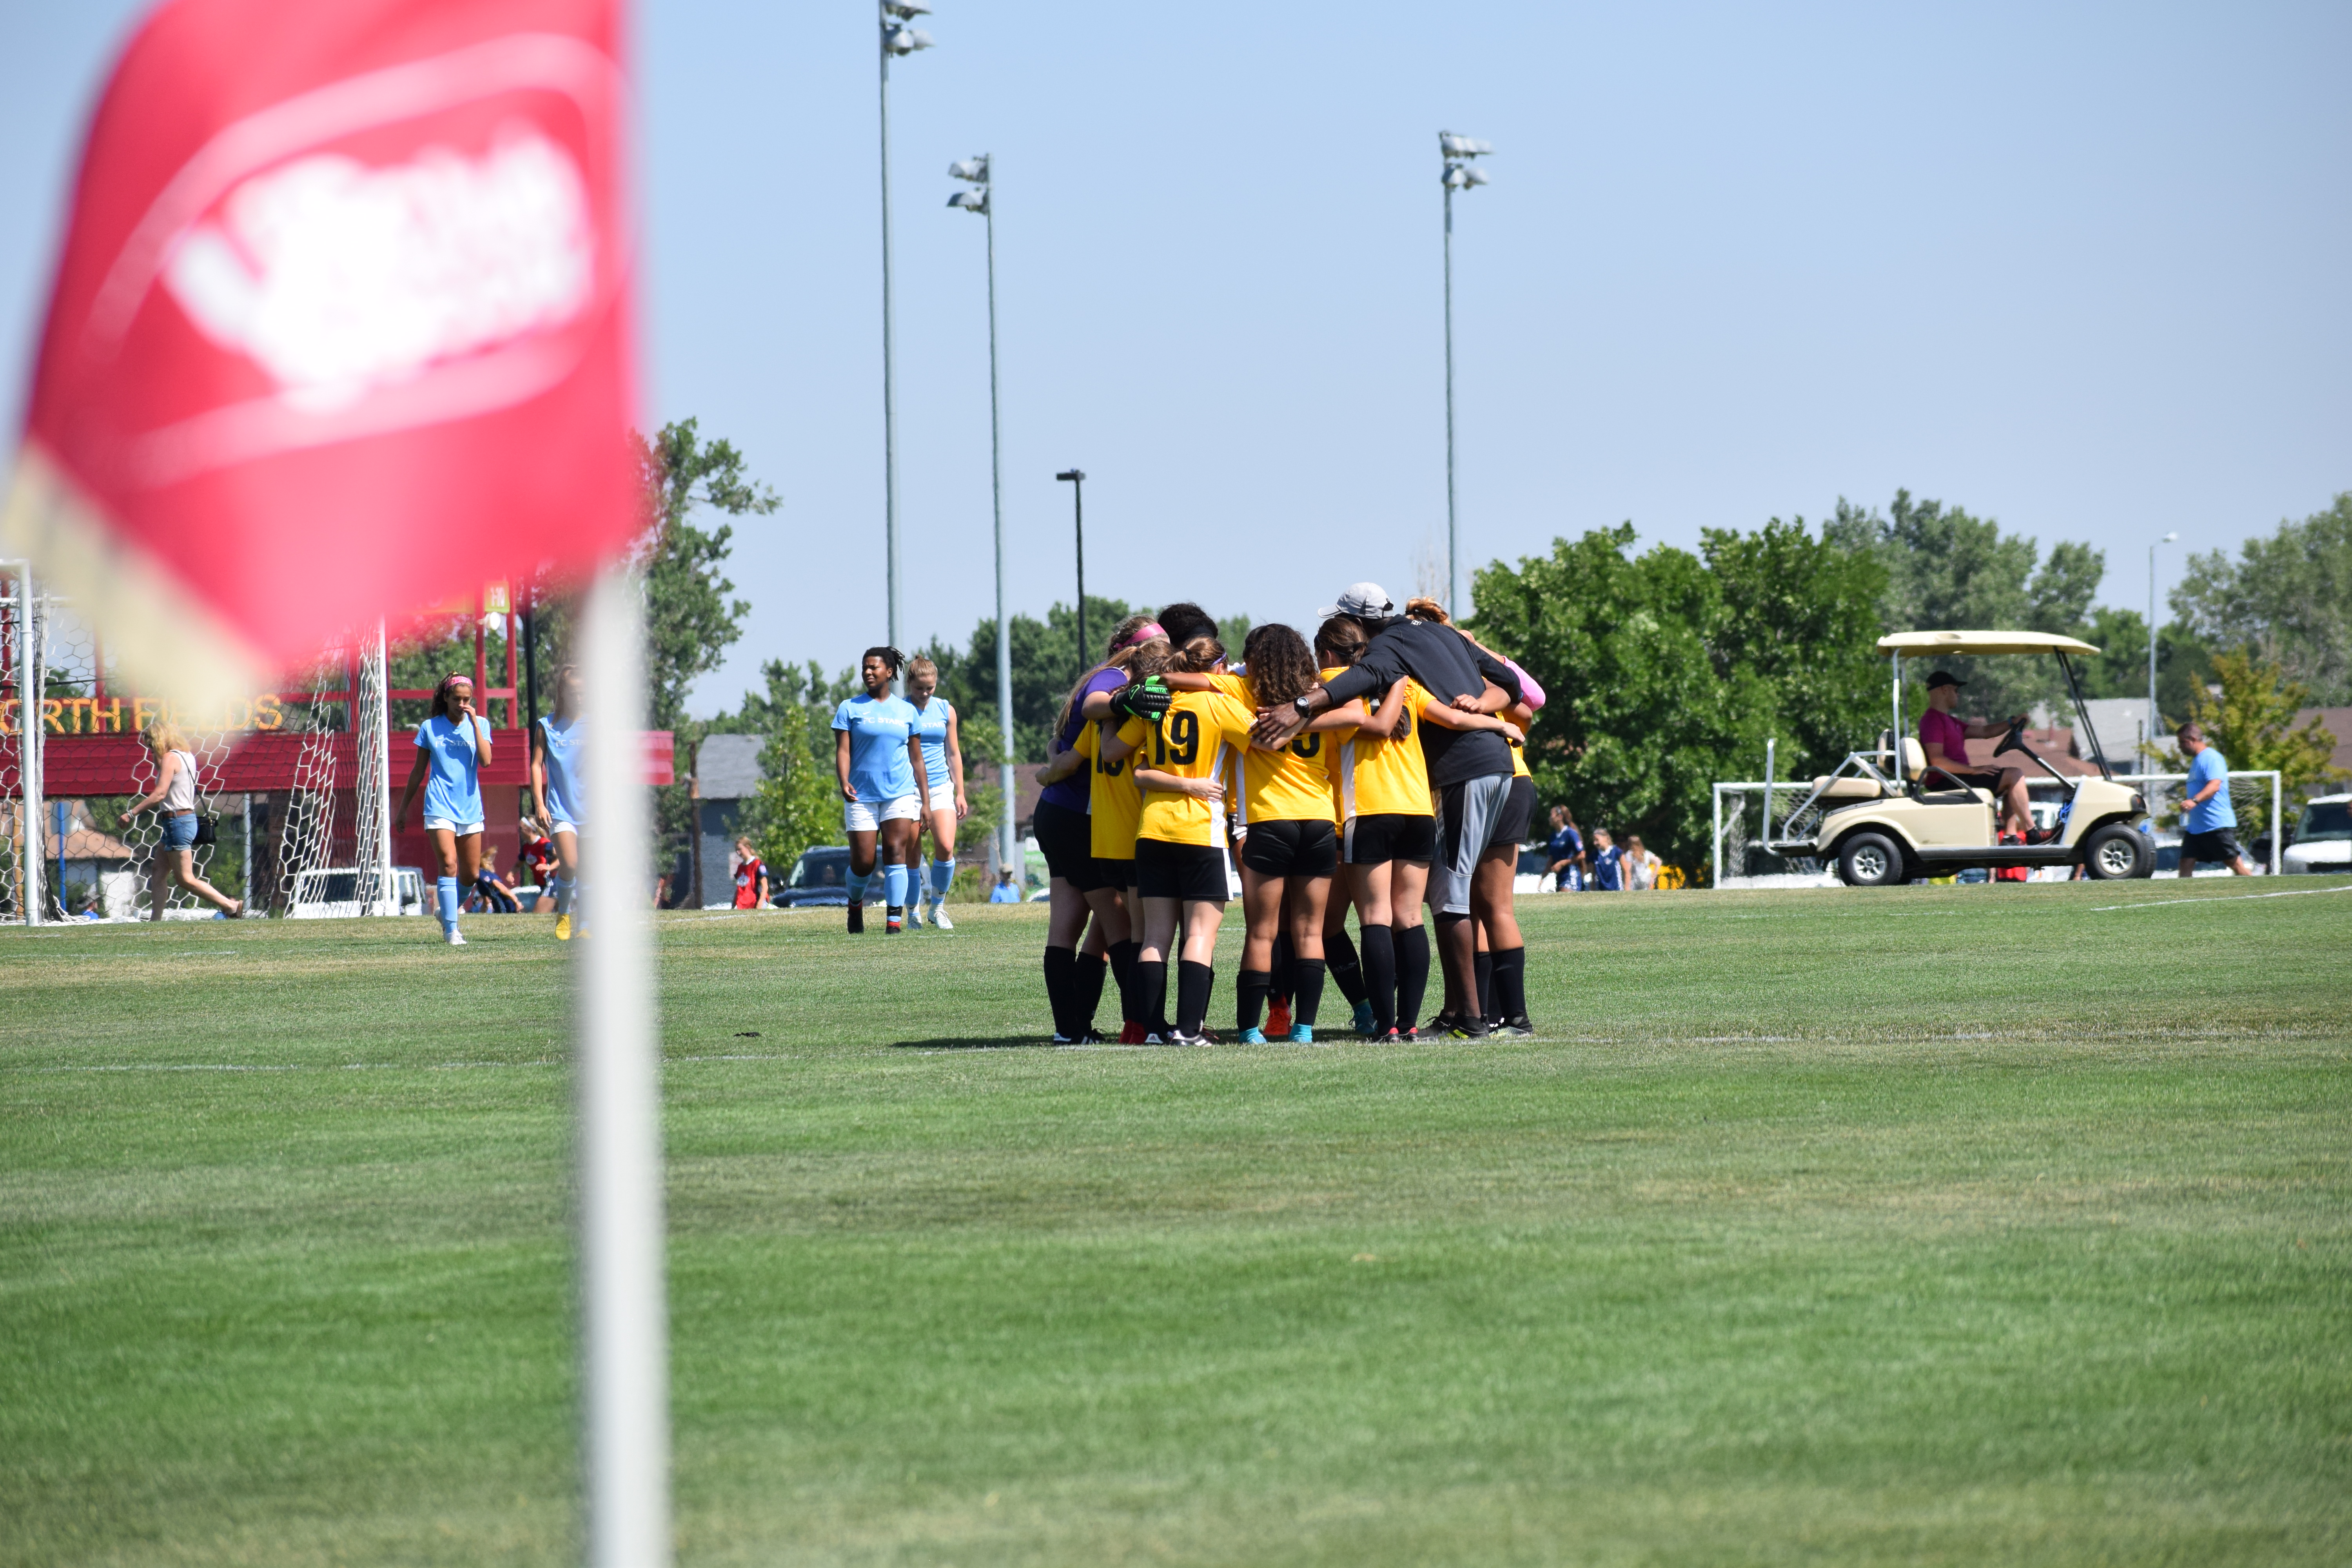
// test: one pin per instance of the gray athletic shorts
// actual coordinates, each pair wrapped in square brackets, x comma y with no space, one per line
[1472,817]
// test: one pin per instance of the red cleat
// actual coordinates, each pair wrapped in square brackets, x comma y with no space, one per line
[1277,1018]
[1133,1035]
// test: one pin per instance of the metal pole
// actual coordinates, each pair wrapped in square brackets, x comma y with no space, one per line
[1078,501]
[30,685]
[2151,643]
[531,662]
[1769,742]
[386,899]
[1453,536]
[889,400]
[624,1360]
[2278,824]
[1012,846]
[245,853]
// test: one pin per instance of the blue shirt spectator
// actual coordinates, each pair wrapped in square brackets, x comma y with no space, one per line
[1004,892]
[2209,767]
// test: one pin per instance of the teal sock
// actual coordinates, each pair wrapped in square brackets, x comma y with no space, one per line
[445,899]
[857,881]
[942,878]
[894,880]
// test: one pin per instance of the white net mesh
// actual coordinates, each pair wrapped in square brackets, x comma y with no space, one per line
[334,850]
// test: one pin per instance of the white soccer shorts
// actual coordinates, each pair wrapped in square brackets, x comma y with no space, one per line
[859,816]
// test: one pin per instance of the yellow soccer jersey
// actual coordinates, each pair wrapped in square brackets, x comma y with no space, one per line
[1290,784]
[1518,751]
[1113,803]
[1190,741]
[1377,777]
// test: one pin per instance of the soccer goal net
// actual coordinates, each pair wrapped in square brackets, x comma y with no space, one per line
[334,846]
[1742,829]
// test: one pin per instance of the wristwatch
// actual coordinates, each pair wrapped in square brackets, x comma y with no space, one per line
[1304,703]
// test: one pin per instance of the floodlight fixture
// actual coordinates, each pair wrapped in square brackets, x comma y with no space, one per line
[904,10]
[904,41]
[1457,174]
[973,169]
[1453,146]
[971,202]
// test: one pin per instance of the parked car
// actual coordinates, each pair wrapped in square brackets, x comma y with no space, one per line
[821,876]
[2321,841]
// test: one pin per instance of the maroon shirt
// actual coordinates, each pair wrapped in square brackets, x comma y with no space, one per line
[1937,728]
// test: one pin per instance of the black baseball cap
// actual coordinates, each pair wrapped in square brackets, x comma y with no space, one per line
[1944,677]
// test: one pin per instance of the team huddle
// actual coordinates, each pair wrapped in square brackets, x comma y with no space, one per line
[1378,771]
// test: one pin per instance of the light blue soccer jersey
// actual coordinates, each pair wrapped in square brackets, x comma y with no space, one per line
[2206,767]
[931,729]
[878,729]
[567,764]
[453,785]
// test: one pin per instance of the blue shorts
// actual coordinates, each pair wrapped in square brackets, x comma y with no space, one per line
[180,832]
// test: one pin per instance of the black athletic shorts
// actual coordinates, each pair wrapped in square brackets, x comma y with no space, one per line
[1388,835]
[1165,870]
[2217,846]
[1116,874]
[1292,846]
[1067,838]
[1517,811]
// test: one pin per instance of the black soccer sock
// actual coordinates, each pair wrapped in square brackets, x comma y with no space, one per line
[1456,1006]
[1193,983]
[1151,994]
[1511,982]
[1340,962]
[1485,965]
[1413,972]
[1085,992]
[1251,998]
[1123,969]
[1278,982]
[1306,990]
[1381,975]
[1061,974]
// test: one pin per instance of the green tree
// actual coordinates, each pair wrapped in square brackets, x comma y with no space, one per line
[2252,721]
[2288,597]
[1946,570]
[1800,613]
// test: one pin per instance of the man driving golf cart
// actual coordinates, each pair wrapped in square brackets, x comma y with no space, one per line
[1943,737]
[1909,809]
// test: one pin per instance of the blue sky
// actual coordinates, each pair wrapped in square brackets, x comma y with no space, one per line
[2078,267]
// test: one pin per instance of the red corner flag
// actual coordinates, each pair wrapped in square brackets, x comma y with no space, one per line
[341,325]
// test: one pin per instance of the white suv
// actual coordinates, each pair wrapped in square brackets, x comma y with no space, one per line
[2322,838]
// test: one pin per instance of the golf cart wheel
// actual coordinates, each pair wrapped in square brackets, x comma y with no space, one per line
[1869,860]
[2115,853]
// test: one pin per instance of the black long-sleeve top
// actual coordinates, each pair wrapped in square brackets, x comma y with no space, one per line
[1447,664]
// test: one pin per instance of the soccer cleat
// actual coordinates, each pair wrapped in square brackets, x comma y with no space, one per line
[893,920]
[456,938]
[1250,1037]
[1131,1034]
[1302,1034]
[1436,1028]
[1154,1038]
[1465,1029]
[1091,1039]
[1406,1036]
[563,927]
[1179,1037]
[857,920]
[1519,1028]
[1364,1018]
[940,921]
[1391,1038]
[1277,1017]
[914,916]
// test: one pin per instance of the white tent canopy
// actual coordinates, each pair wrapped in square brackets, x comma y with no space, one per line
[1919,644]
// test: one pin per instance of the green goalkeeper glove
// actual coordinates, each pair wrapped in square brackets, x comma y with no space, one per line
[1146,699]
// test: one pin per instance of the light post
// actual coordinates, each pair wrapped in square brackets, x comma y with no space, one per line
[976,170]
[898,40]
[1460,175]
[2150,738]
[1077,482]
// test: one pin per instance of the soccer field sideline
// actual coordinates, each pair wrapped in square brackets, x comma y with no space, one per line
[1932,1224]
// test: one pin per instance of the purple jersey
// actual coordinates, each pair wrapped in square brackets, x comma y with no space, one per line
[1071,793]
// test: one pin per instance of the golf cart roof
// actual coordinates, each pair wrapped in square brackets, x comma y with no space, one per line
[1920,644]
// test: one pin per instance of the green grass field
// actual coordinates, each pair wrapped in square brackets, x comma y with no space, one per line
[1953,1225]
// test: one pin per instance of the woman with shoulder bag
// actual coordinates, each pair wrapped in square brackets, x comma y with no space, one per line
[174,799]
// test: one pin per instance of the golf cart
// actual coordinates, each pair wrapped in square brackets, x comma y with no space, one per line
[1886,816]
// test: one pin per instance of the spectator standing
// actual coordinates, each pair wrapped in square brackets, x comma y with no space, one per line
[750,878]
[2207,816]
[1566,851]
[1641,868]
[1005,891]
[1608,863]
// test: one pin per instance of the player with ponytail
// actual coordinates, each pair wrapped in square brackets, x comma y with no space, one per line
[884,787]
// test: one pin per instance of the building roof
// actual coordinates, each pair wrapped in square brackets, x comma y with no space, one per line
[727,767]
[2337,722]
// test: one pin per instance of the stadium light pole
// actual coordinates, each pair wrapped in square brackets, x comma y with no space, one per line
[898,39]
[977,171]
[1077,482]
[2149,739]
[1460,175]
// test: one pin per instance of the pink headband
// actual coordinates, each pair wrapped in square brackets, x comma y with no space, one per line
[1142,634]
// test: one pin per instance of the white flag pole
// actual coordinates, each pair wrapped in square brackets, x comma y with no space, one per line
[624,1362]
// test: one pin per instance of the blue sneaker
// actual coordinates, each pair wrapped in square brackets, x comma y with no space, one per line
[1250,1037]
[1364,1017]
[1302,1034]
